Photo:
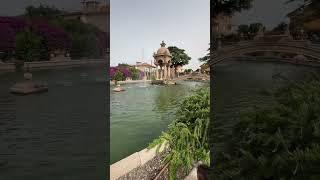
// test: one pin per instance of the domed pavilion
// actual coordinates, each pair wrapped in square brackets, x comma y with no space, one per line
[162,60]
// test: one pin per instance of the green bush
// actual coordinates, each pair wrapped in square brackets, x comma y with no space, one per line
[277,142]
[187,135]
[28,46]
[119,76]
[135,73]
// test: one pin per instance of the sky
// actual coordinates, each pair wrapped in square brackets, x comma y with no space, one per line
[269,12]
[138,27]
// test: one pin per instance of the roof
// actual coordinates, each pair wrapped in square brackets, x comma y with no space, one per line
[300,9]
[145,65]
[163,50]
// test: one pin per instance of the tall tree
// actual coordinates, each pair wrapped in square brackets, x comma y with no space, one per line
[255,27]
[282,27]
[42,11]
[243,29]
[205,58]
[179,57]
[228,8]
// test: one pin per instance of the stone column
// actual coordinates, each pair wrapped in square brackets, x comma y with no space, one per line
[169,76]
[162,74]
[157,72]
[165,72]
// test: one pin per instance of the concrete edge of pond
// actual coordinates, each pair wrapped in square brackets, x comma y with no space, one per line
[133,161]
[52,64]
[131,82]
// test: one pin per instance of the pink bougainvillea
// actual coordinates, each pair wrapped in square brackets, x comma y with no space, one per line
[104,41]
[9,27]
[55,37]
[7,37]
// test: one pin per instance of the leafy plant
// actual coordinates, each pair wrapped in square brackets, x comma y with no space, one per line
[135,73]
[187,135]
[119,76]
[28,46]
[277,142]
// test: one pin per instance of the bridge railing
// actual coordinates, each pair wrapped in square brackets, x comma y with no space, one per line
[311,50]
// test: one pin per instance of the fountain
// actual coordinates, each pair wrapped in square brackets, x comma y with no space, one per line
[28,86]
[163,64]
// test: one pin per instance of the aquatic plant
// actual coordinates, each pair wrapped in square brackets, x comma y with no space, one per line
[186,138]
[277,142]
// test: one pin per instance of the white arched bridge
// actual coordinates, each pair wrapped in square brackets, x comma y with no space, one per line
[273,44]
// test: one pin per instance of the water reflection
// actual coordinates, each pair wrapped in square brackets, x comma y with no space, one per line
[56,134]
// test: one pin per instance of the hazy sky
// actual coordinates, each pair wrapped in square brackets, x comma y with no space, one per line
[139,26]
[269,12]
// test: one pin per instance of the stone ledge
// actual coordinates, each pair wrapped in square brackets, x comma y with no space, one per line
[53,64]
[133,161]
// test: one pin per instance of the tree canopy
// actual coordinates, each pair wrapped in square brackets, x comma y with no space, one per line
[255,27]
[229,7]
[243,29]
[42,11]
[281,27]
[205,58]
[179,56]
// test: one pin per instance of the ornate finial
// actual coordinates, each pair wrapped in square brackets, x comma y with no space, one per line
[163,44]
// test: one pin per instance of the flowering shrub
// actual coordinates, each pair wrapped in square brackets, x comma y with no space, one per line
[55,37]
[9,27]
[133,73]
[119,76]
[81,40]
[104,42]
[6,37]
[112,71]
[17,24]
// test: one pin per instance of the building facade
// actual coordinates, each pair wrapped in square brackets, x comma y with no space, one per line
[223,25]
[306,17]
[93,12]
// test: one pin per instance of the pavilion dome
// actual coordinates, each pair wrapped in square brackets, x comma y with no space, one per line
[163,50]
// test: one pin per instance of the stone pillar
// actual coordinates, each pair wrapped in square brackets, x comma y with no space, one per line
[162,74]
[157,72]
[169,77]
[165,72]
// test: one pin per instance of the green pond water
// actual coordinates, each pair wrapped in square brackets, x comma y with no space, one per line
[139,114]
[60,134]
